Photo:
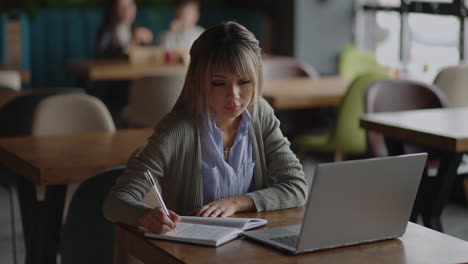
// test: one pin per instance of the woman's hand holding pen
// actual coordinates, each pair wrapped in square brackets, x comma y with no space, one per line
[156,221]
[225,207]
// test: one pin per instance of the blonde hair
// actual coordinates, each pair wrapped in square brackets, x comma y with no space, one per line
[227,47]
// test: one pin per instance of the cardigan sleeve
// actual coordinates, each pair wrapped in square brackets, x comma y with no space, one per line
[124,202]
[287,186]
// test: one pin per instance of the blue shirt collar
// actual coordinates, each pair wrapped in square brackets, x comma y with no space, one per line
[246,118]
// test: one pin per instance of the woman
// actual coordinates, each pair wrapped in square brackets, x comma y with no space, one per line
[220,150]
[116,34]
[118,30]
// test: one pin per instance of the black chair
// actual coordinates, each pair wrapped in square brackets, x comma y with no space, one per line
[6,89]
[87,237]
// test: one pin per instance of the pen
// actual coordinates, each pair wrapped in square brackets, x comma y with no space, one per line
[149,178]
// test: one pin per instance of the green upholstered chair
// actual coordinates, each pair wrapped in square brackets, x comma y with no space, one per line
[354,62]
[346,136]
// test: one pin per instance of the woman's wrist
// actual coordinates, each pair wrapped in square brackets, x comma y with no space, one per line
[243,203]
[251,202]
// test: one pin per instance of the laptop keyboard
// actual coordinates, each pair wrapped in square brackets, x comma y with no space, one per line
[287,240]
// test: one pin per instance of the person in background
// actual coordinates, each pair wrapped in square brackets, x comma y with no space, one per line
[116,34]
[220,150]
[183,30]
[118,30]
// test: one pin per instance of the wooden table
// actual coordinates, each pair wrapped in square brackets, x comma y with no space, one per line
[47,163]
[418,245]
[63,159]
[107,69]
[443,129]
[304,92]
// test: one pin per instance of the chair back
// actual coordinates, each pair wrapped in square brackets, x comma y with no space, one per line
[347,135]
[10,79]
[453,81]
[16,116]
[4,89]
[282,67]
[71,113]
[151,98]
[87,237]
[398,95]
[354,62]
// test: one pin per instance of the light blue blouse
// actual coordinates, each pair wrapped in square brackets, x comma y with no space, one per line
[223,179]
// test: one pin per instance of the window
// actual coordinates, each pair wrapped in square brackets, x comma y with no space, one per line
[388,40]
[433,44]
[430,39]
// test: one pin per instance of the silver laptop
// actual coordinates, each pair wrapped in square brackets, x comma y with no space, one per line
[352,202]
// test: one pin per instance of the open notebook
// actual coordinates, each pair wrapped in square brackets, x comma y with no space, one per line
[210,231]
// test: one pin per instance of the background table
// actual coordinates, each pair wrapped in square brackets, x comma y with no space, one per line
[418,245]
[110,70]
[304,92]
[443,129]
[48,163]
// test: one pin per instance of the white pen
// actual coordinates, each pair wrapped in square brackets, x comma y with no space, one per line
[149,178]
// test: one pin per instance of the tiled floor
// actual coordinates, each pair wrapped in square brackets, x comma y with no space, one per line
[454,218]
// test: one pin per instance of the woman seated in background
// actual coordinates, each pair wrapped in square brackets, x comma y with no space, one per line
[116,34]
[183,30]
[220,150]
[118,30]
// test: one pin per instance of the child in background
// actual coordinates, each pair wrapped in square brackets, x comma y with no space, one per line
[183,30]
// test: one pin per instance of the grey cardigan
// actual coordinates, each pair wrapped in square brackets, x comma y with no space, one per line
[173,156]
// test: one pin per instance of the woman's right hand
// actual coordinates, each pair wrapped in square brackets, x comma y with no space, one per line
[156,221]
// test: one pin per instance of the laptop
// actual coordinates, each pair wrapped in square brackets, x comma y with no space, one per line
[352,202]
